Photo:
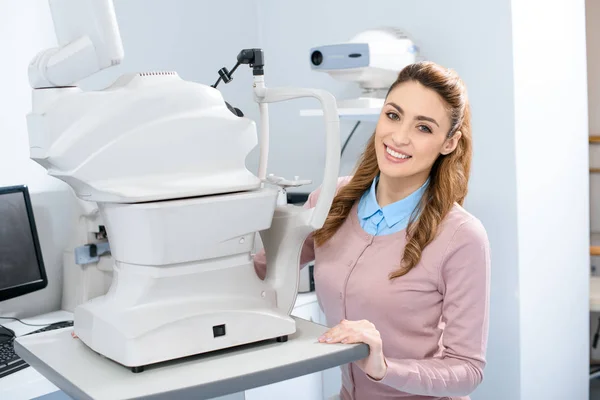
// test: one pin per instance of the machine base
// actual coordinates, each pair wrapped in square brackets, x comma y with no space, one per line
[142,368]
[167,343]
[151,315]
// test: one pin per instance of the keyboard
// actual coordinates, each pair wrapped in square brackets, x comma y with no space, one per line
[10,362]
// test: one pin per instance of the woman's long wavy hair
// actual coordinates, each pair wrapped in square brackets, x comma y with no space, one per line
[448,181]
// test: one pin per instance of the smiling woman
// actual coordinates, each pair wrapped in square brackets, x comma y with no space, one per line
[399,264]
[422,143]
[404,134]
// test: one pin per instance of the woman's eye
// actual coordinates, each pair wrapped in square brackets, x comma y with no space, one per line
[393,116]
[424,128]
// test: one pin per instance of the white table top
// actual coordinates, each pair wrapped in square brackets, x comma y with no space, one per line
[29,383]
[83,374]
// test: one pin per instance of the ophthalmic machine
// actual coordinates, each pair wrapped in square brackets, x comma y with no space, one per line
[164,160]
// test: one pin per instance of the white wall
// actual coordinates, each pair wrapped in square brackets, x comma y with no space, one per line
[25,29]
[551,130]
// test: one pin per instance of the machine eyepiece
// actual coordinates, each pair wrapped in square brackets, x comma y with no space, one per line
[316,57]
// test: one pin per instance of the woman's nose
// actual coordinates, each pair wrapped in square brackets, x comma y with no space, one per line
[400,136]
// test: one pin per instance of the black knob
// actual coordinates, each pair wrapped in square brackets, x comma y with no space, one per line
[225,75]
[316,57]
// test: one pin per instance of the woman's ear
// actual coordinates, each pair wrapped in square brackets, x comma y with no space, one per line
[451,143]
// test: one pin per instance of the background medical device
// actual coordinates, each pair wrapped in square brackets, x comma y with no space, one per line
[372,59]
[164,161]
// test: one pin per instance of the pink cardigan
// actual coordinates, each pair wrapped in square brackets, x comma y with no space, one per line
[433,321]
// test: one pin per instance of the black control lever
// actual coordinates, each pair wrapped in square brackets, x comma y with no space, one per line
[253,57]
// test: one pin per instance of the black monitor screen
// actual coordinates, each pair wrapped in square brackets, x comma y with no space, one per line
[21,265]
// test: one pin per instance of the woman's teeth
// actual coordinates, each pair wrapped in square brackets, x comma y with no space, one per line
[395,153]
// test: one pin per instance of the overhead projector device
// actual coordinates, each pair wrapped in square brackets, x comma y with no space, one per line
[164,160]
[372,59]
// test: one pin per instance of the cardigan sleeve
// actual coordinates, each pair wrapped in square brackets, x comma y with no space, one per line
[464,284]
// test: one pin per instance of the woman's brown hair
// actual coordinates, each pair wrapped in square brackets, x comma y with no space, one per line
[448,180]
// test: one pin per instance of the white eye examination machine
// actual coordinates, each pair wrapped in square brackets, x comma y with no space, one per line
[164,160]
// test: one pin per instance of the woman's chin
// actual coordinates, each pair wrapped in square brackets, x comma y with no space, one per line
[394,172]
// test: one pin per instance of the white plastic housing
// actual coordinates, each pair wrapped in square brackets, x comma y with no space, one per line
[187,230]
[148,137]
[181,271]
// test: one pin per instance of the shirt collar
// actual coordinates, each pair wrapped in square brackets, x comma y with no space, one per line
[392,213]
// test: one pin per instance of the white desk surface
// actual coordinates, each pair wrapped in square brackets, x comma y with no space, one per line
[28,383]
[83,374]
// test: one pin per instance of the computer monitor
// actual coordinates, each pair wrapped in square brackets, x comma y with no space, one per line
[22,268]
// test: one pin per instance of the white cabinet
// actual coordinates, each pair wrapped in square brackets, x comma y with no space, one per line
[307,387]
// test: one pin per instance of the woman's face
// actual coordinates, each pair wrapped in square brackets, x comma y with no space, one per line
[412,132]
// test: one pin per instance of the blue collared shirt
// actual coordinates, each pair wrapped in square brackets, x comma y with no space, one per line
[389,219]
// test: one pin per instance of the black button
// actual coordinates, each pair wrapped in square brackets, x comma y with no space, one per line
[219,330]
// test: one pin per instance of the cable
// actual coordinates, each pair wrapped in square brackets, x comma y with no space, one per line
[349,137]
[596,335]
[24,323]
[594,371]
[9,333]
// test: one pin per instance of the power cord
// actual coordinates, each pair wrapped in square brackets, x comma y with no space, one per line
[9,333]
[596,335]
[24,323]
[349,137]
[595,368]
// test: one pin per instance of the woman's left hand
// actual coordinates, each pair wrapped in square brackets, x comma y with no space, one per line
[360,332]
